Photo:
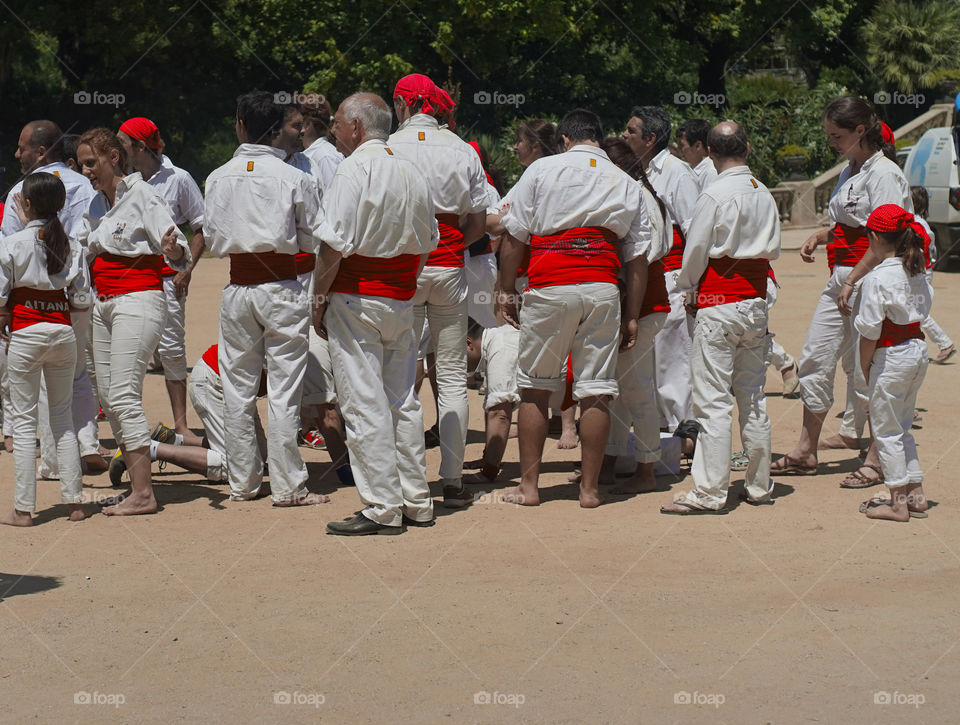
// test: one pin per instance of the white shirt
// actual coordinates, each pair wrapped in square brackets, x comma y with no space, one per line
[736,217]
[676,185]
[450,166]
[134,225]
[311,168]
[23,264]
[879,182]
[79,195]
[578,188]
[887,292]
[257,203]
[181,192]
[378,205]
[705,172]
[661,229]
[325,155]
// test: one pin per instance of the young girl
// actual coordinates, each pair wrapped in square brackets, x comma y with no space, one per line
[895,299]
[42,278]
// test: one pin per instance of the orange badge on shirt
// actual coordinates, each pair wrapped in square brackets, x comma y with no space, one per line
[593,162]
[388,150]
[249,166]
[422,136]
[754,182]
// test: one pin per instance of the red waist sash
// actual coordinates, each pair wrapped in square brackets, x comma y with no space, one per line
[212,358]
[31,306]
[261,267]
[655,298]
[732,280]
[393,277]
[305,262]
[893,334]
[673,259]
[114,275]
[848,246]
[449,252]
[573,256]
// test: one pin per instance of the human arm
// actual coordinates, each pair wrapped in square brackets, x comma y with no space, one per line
[807,249]
[325,271]
[512,254]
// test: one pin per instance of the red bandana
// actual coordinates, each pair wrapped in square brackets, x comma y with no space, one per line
[887,134]
[417,87]
[143,129]
[893,218]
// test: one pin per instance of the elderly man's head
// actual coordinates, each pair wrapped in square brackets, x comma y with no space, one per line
[727,142]
[39,144]
[361,117]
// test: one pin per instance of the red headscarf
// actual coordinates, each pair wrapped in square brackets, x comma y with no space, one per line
[476,147]
[143,129]
[886,133]
[893,218]
[417,87]
[445,105]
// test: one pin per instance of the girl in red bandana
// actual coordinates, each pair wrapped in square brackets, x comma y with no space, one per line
[894,300]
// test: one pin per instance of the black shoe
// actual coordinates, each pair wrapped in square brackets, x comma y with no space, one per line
[360,525]
[687,429]
[407,521]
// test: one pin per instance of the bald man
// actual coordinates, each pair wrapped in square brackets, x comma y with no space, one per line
[733,235]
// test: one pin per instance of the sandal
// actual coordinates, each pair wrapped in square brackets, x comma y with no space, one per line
[765,501]
[690,510]
[739,461]
[861,480]
[790,467]
[874,502]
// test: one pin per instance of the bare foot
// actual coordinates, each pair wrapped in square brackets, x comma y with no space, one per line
[589,499]
[521,496]
[307,499]
[94,464]
[132,505]
[76,512]
[795,462]
[568,439]
[17,518]
[888,513]
[839,442]
[916,498]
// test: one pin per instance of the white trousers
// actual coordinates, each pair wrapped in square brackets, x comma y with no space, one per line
[728,363]
[319,387]
[126,330]
[50,349]
[930,327]
[778,357]
[637,402]
[672,345]
[374,354]
[441,298]
[501,347]
[896,374]
[172,349]
[263,326]
[481,274]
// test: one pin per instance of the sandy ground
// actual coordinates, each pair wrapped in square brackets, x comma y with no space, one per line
[240,612]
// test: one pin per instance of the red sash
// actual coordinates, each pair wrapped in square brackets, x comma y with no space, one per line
[211,358]
[305,262]
[673,259]
[655,298]
[262,267]
[893,334]
[573,256]
[114,275]
[848,246]
[449,252]
[167,271]
[394,277]
[729,280]
[30,306]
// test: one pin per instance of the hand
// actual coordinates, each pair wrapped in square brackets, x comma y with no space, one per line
[169,246]
[508,308]
[181,282]
[843,299]
[319,310]
[808,249]
[18,208]
[628,334]
[690,303]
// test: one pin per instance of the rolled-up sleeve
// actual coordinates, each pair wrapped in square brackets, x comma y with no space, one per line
[870,316]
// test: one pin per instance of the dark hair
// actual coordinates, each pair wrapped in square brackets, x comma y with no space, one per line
[540,134]
[103,141]
[69,144]
[46,195]
[47,134]
[495,174]
[656,121]
[580,125]
[848,112]
[622,156]
[728,145]
[921,201]
[909,247]
[693,129]
[474,329]
[317,113]
[261,117]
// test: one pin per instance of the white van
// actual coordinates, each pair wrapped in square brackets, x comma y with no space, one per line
[933,163]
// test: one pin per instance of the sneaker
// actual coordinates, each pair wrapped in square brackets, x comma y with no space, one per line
[456,498]
[117,469]
[164,434]
[313,439]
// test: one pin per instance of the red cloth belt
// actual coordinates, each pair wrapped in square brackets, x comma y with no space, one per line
[211,358]
[167,271]
[893,334]
[114,275]
[30,306]
[655,298]
[729,280]
[305,262]
[673,259]
[449,252]
[393,277]
[848,246]
[261,267]
[573,256]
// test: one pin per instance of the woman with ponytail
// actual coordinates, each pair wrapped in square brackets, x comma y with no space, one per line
[895,299]
[42,278]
